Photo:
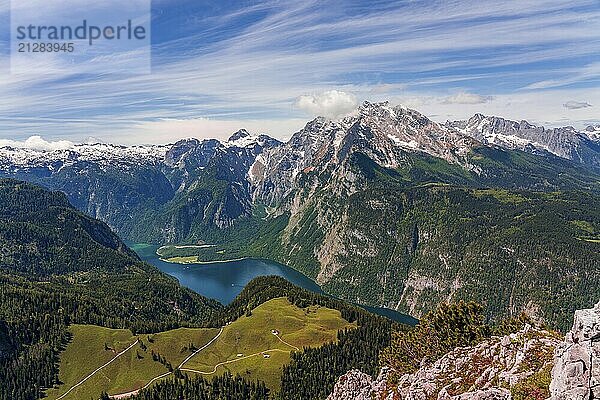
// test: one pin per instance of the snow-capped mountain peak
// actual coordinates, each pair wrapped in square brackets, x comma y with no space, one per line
[565,142]
[593,132]
[409,130]
[241,134]
[100,153]
[244,139]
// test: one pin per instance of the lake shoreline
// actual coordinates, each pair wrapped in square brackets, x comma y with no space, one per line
[223,280]
[169,260]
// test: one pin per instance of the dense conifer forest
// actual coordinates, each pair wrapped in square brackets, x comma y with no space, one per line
[60,267]
[57,267]
[223,387]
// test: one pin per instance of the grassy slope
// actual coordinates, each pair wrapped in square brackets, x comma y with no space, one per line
[308,327]
[86,352]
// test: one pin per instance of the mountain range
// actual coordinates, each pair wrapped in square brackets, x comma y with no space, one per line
[383,207]
[81,315]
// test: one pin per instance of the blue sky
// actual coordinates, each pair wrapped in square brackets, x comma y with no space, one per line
[270,66]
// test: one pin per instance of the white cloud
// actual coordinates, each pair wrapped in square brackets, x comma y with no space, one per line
[260,72]
[387,88]
[37,143]
[576,105]
[467,98]
[331,104]
[585,73]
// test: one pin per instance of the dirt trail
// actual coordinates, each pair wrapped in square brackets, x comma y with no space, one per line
[97,370]
[232,361]
[241,358]
[201,348]
[134,392]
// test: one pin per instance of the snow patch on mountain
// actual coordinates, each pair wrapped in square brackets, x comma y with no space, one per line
[14,158]
[565,142]
[100,153]
[593,132]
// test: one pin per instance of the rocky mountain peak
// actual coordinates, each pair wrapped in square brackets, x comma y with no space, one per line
[388,130]
[593,132]
[356,385]
[244,139]
[190,148]
[381,108]
[242,133]
[488,371]
[565,142]
[492,125]
[384,111]
[592,128]
[497,368]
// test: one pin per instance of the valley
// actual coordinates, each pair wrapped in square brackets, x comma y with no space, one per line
[300,200]
[81,314]
[385,208]
[459,222]
[224,280]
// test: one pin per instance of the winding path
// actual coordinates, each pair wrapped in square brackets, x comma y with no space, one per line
[286,343]
[134,392]
[239,358]
[232,361]
[201,348]
[97,370]
[180,367]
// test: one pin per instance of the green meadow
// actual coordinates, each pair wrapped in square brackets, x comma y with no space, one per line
[241,348]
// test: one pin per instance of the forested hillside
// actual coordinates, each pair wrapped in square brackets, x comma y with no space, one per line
[409,239]
[313,371]
[59,267]
[197,388]
[385,207]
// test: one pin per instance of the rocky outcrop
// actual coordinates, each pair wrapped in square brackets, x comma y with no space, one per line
[493,370]
[498,369]
[359,386]
[576,372]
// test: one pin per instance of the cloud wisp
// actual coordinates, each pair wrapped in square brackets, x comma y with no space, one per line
[467,98]
[274,60]
[576,105]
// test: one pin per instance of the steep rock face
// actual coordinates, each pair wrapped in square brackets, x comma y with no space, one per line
[576,373]
[359,231]
[312,176]
[382,132]
[497,369]
[565,142]
[155,193]
[274,172]
[383,208]
[593,132]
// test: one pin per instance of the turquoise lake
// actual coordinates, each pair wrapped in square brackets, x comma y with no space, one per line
[223,281]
